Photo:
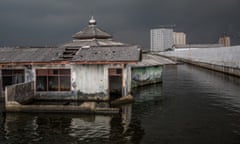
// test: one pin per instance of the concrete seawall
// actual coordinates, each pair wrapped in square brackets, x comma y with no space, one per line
[224,59]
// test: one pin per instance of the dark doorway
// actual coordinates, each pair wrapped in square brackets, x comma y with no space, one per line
[115,83]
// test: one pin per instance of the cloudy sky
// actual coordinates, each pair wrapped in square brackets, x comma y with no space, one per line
[53,22]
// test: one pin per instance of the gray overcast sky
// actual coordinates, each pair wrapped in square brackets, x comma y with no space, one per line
[53,22]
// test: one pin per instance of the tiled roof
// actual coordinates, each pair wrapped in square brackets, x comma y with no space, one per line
[27,54]
[77,54]
[126,53]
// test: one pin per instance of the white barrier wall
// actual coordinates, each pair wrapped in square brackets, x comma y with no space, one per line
[224,56]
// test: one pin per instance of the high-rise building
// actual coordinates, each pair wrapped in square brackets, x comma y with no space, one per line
[161,39]
[225,40]
[179,38]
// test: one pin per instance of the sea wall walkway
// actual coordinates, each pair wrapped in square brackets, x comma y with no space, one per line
[224,59]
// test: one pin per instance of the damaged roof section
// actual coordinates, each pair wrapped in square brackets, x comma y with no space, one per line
[71,54]
[111,54]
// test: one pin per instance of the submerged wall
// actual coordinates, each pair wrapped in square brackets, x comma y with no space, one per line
[146,75]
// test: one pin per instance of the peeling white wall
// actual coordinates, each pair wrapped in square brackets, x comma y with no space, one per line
[89,79]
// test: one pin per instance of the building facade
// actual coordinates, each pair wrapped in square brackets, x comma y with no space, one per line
[179,38]
[225,41]
[161,39]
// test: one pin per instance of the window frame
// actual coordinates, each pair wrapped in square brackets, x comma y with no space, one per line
[53,73]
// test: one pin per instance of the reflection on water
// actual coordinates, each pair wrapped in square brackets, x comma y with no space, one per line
[126,115]
[55,128]
[192,105]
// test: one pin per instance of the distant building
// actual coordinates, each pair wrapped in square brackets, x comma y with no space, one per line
[179,38]
[161,39]
[225,40]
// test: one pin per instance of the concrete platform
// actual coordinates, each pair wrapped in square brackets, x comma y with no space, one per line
[85,108]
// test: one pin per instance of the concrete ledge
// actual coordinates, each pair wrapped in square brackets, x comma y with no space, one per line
[123,100]
[85,108]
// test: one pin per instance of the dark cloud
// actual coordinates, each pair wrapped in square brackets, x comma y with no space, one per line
[51,22]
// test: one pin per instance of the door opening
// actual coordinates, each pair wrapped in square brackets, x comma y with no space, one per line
[115,83]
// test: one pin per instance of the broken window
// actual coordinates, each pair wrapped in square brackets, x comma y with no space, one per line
[53,80]
[12,76]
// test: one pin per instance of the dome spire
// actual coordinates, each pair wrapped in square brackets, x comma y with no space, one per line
[92,22]
[92,32]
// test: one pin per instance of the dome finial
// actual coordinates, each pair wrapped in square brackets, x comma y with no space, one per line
[92,21]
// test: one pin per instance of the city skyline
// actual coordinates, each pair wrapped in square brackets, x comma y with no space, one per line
[53,22]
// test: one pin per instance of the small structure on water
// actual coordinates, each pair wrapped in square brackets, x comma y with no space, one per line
[93,67]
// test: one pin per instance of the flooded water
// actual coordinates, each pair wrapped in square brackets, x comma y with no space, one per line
[191,106]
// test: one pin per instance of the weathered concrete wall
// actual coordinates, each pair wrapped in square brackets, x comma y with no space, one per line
[94,80]
[146,75]
[22,93]
[225,59]
[90,80]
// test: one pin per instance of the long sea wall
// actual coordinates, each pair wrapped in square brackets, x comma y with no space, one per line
[224,59]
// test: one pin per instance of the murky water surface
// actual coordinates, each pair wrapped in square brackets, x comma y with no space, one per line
[192,106]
